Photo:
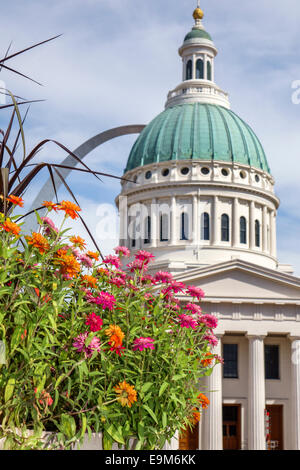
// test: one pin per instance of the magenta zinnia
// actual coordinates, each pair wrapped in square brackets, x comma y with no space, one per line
[106,300]
[79,344]
[140,344]
[209,320]
[94,322]
[162,276]
[211,339]
[113,261]
[144,256]
[193,308]
[194,291]
[186,321]
[122,250]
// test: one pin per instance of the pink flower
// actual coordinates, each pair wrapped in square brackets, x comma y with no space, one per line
[137,265]
[117,281]
[173,307]
[194,291]
[119,349]
[211,339]
[209,320]
[122,250]
[76,252]
[176,287]
[49,225]
[193,308]
[144,256]
[164,277]
[94,322]
[186,321]
[141,343]
[79,344]
[86,261]
[106,300]
[113,261]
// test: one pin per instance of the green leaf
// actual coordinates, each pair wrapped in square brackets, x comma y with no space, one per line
[9,389]
[107,441]
[151,413]
[83,425]
[163,388]
[141,431]
[114,433]
[146,387]
[178,377]
[164,419]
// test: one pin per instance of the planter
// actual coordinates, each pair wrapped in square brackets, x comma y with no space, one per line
[95,443]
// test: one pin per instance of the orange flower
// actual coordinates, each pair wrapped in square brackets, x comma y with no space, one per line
[70,209]
[127,394]
[45,398]
[50,205]
[195,418]
[103,272]
[11,227]
[93,255]
[115,334]
[90,281]
[69,265]
[17,201]
[38,241]
[203,400]
[208,360]
[23,335]
[79,242]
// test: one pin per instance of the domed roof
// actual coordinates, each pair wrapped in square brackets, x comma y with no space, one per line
[197,33]
[197,131]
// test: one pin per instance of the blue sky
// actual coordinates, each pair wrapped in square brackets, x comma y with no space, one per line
[116,62]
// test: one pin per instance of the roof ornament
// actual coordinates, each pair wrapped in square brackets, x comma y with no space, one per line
[198,16]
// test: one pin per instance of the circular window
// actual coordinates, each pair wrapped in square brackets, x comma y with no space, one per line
[165,172]
[257,178]
[205,171]
[185,171]
[148,175]
[243,174]
[225,172]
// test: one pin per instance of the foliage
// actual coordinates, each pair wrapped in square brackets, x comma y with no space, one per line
[92,348]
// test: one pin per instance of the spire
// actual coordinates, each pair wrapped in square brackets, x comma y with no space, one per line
[198,15]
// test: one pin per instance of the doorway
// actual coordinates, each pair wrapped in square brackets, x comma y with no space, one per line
[275,437]
[231,427]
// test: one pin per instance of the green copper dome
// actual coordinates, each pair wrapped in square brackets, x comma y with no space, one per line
[197,131]
[197,33]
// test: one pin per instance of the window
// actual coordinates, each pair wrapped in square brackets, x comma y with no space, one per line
[272,361]
[164,228]
[199,69]
[147,228]
[189,70]
[243,230]
[230,356]
[148,175]
[133,239]
[184,230]
[205,229]
[257,233]
[225,228]
[209,71]
[185,171]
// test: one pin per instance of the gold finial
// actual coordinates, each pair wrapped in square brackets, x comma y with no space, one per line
[198,13]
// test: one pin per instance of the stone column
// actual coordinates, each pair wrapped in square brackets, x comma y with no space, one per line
[174,230]
[235,223]
[264,229]
[273,232]
[213,421]
[256,394]
[123,211]
[154,223]
[252,225]
[205,66]
[195,220]
[215,225]
[295,392]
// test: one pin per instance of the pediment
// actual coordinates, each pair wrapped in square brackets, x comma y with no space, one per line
[244,281]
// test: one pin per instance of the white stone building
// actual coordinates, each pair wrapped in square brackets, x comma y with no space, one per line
[202,200]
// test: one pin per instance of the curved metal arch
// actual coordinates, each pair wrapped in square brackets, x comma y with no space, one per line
[47,192]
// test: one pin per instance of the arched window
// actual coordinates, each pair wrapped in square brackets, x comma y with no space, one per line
[189,70]
[243,230]
[184,228]
[133,239]
[147,230]
[257,233]
[164,228]
[205,229]
[225,228]
[199,69]
[209,74]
